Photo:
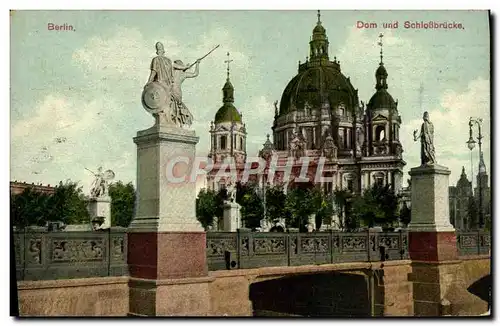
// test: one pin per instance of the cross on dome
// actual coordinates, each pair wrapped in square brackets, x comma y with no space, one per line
[380,43]
[228,61]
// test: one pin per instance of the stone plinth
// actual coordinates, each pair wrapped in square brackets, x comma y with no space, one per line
[177,297]
[166,243]
[432,241]
[431,235]
[165,193]
[430,211]
[100,207]
[232,221]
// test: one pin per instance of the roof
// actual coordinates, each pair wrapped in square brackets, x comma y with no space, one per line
[316,83]
[227,113]
[382,99]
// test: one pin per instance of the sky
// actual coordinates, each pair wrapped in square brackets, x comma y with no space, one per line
[75,95]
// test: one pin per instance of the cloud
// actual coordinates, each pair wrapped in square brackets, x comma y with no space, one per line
[63,136]
[99,121]
[409,66]
[258,122]
[406,63]
[451,129]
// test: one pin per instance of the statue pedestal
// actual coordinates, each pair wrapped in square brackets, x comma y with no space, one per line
[232,221]
[165,194]
[165,241]
[432,241]
[100,207]
[430,210]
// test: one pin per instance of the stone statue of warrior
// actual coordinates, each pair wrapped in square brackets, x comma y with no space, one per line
[162,68]
[180,113]
[162,72]
[427,152]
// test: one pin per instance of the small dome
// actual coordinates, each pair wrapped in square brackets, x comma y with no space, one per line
[381,100]
[381,71]
[227,113]
[319,29]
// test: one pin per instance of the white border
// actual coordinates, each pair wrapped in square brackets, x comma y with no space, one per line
[188,4]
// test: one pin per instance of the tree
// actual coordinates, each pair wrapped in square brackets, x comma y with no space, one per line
[29,208]
[252,208]
[322,204]
[376,206]
[219,202]
[405,215]
[122,203]
[207,207]
[68,204]
[299,204]
[275,203]
[341,198]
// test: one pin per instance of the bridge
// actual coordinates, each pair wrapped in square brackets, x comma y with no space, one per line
[253,274]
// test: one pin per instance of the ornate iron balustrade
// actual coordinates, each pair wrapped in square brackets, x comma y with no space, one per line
[473,243]
[43,255]
[244,249]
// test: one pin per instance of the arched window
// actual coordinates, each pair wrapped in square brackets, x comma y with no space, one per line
[241,143]
[341,110]
[223,141]
[380,133]
[341,138]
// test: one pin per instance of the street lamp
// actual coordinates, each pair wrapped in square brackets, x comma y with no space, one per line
[471,143]
[261,192]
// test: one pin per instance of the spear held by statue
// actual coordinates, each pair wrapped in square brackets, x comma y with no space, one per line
[203,57]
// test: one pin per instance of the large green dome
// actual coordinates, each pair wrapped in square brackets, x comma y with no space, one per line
[318,82]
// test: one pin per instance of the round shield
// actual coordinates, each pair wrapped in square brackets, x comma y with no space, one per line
[154,96]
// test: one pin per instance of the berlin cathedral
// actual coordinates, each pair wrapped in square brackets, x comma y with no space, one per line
[319,116]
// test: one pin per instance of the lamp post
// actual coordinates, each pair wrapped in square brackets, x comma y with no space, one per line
[261,192]
[471,143]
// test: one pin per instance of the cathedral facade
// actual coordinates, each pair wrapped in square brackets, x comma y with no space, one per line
[319,119]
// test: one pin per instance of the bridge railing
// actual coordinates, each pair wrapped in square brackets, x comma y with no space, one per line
[244,249]
[42,255]
[473,243]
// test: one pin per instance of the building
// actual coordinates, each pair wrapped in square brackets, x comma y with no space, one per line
[482,192]
[227,135]
[18,187]
[459,197]
[319,119]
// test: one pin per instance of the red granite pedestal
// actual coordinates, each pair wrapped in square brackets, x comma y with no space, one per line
[167,255]
[168,274]
[437,275]
[433,246]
